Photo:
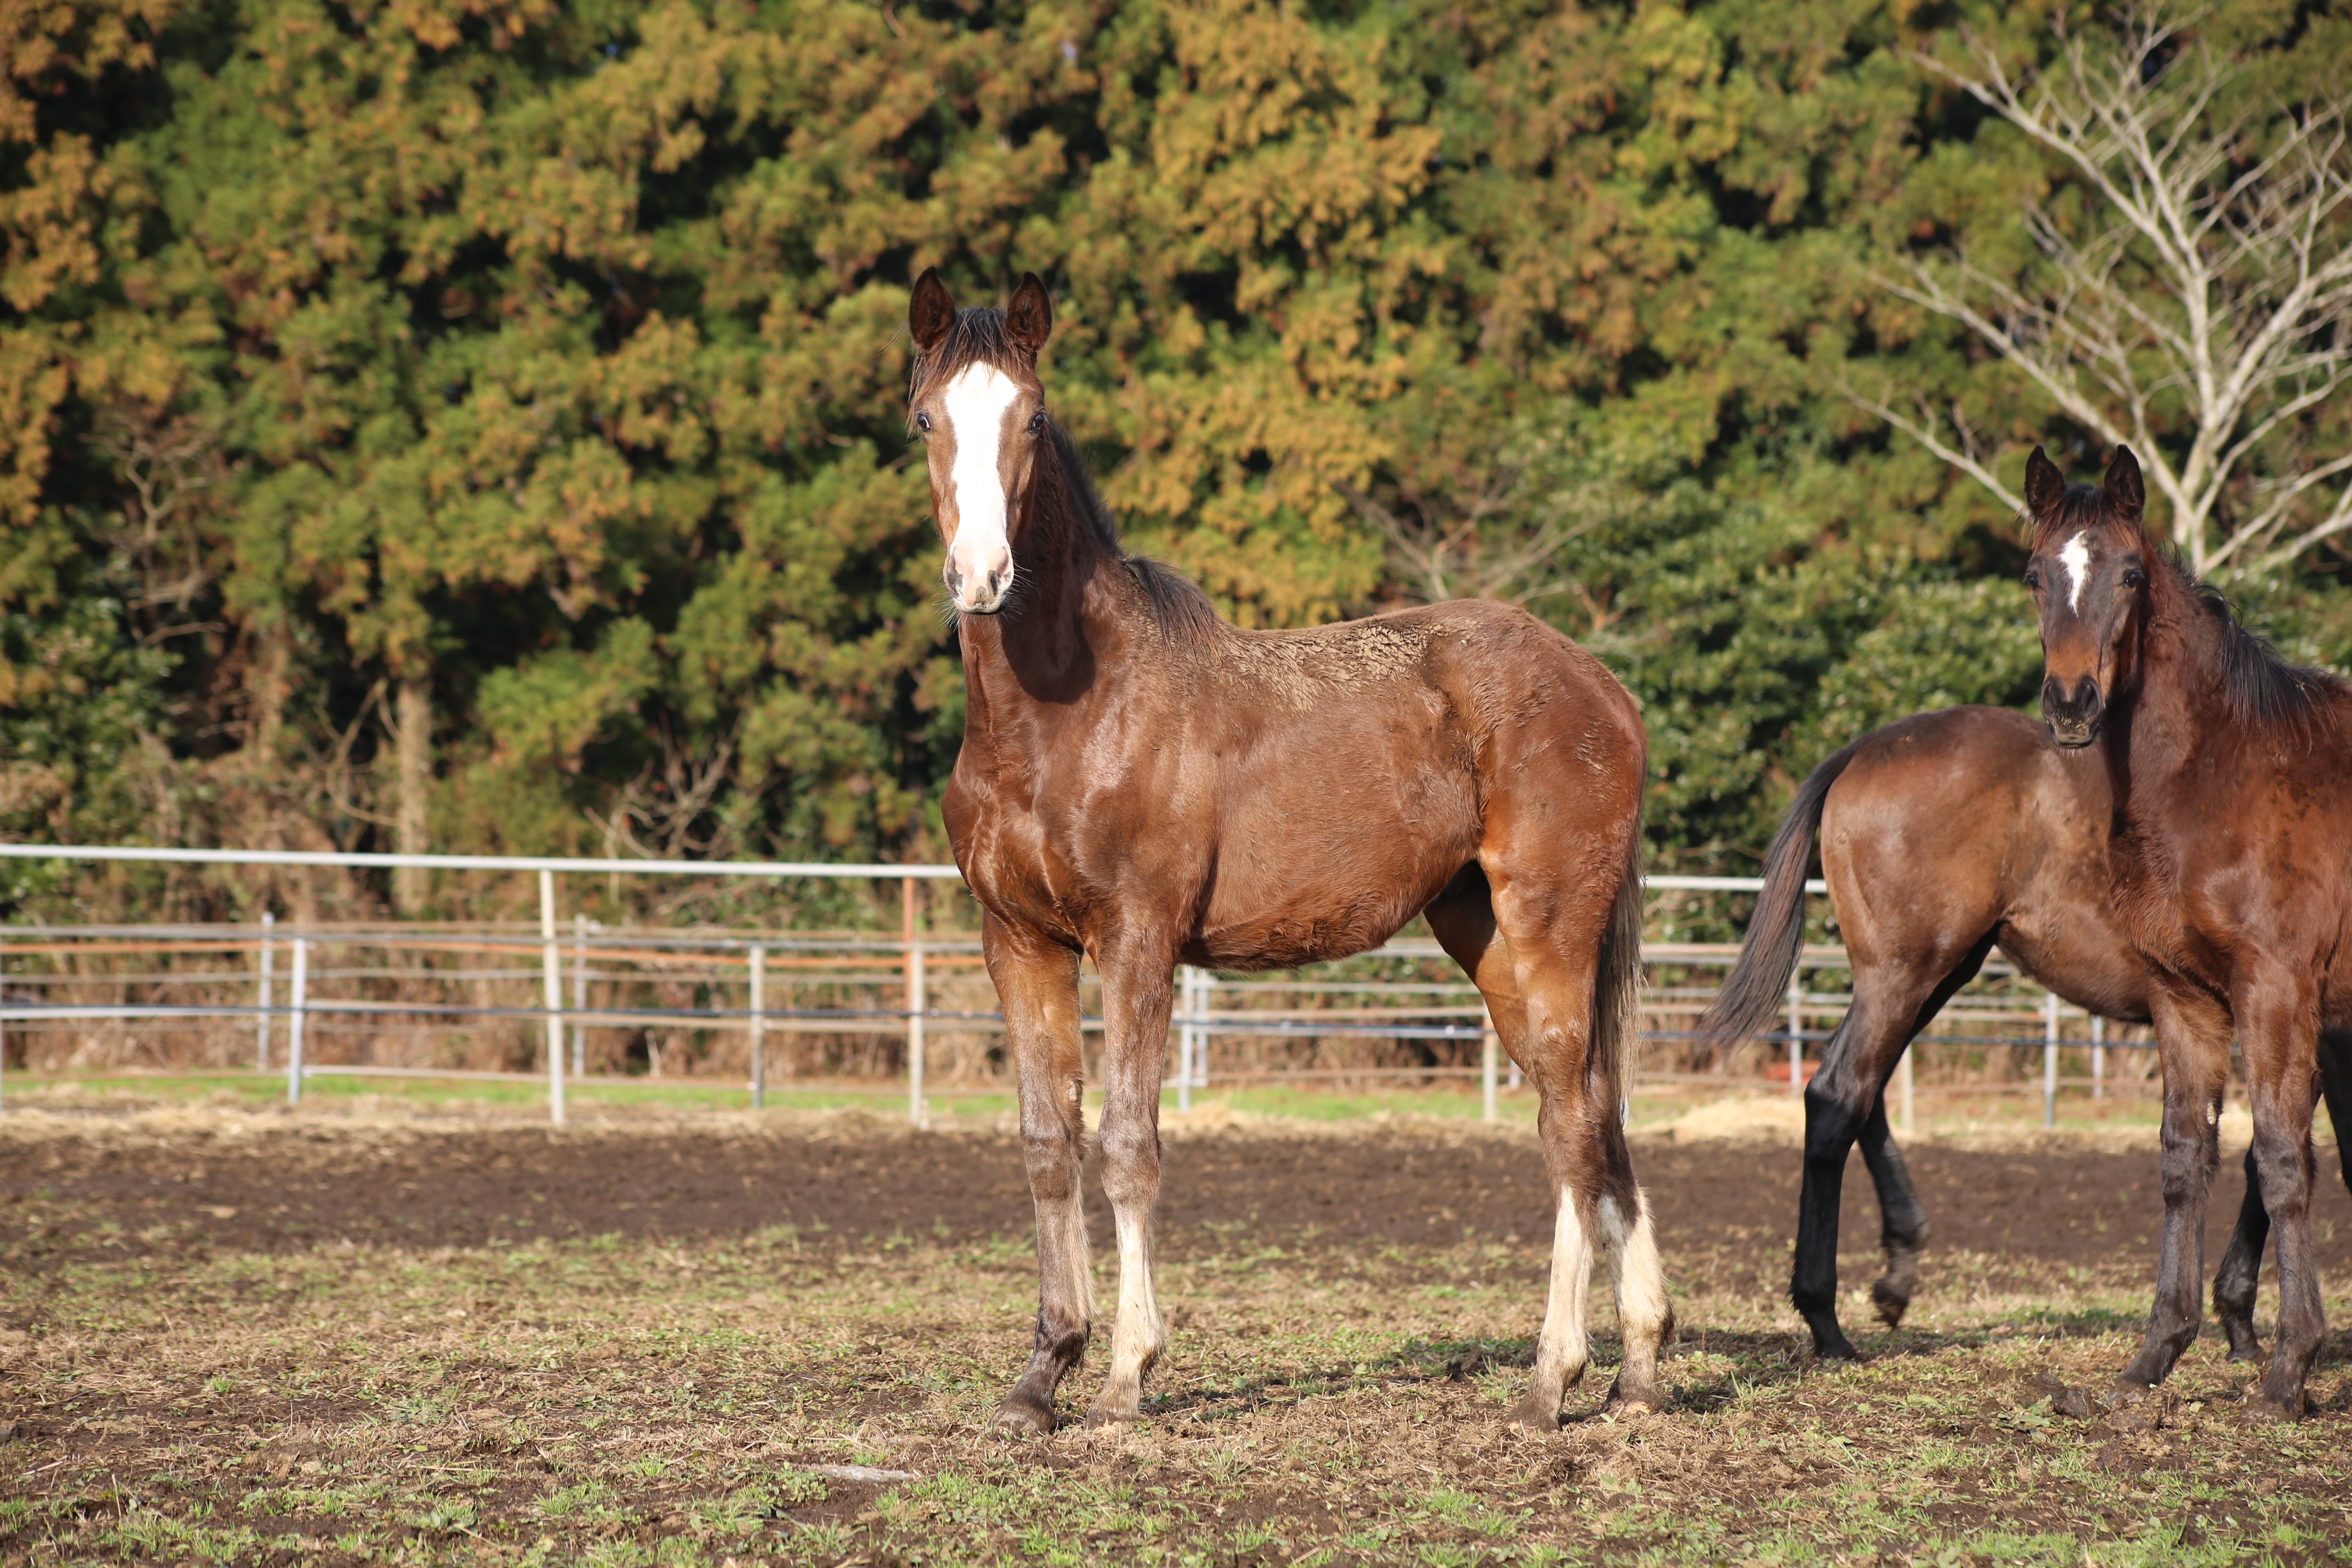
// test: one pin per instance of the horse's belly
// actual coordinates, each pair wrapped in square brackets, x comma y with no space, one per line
[1331,870]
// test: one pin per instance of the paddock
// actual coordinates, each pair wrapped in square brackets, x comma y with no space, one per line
[450,1334]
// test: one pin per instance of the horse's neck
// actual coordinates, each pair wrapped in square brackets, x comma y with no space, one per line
[1048,646]
[2178,713]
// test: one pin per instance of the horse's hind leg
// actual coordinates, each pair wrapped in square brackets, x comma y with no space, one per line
[1901,1222]
[1846,1101]
[2242,1267]
[1037,981]
[1537,967]
[2335,1087]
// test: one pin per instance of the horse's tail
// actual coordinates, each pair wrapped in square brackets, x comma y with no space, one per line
[1757,986]
[1617,985]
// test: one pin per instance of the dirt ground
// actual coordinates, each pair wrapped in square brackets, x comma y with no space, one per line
[261,1338]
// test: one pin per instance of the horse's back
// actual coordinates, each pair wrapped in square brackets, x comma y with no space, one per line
[1360,767]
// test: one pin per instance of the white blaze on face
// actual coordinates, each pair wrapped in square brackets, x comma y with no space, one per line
[980,554]
[2077,558]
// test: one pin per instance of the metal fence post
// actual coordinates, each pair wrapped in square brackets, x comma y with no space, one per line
[1797,1029]
[1489,1049]
[1200,983]
[2098,1058]
[915,1108]
[759,1029]
[2050,1058]
[579,993]
[1187,1035]
[294,1021]
[1902,1087]
[268,964]
[551,965]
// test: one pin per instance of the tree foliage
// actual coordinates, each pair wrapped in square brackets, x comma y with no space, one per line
[546,363]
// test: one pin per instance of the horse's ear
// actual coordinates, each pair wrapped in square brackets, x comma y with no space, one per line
[2043,483]
[2126,494]
[931,311]
[1029,320]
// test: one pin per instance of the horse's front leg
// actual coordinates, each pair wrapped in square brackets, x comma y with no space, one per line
[1037,983]
[1137,989]
[2278,1016]
[2193,1039]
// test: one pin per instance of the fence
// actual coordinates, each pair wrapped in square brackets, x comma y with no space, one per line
[1209,1009]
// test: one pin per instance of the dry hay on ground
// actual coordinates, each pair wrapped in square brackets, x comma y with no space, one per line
[293,1339]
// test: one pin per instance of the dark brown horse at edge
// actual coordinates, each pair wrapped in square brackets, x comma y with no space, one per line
[2232,775]
[1943,835]
[1144,784]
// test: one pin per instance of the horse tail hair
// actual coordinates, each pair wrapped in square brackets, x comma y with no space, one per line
[1617,981]
[1757,986]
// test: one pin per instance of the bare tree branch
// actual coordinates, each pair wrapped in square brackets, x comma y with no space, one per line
[2199,311]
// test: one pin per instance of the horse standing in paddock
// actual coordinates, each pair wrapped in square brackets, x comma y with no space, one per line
[1145,784]
[2232,775]
[1942,835]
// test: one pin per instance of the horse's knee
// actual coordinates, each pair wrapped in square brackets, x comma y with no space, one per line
[1130,1159]
[1054,1155]
[2281,1164]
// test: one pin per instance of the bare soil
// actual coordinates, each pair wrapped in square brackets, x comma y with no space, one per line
[851,1181]
[284,1338]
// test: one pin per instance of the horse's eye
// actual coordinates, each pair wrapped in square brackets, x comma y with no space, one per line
[2133,577]
[923,423]
[2033,581]
[1037,422]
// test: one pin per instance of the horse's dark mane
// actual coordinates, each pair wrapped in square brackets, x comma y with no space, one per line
[1179,608]
[2263,688]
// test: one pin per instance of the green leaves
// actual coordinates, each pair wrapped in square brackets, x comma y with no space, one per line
[550,363]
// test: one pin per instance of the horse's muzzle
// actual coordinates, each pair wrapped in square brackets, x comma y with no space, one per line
[982,597]
[2074,715]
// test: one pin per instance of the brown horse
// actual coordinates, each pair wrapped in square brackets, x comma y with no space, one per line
[2232,772]
[1941,836]
[1146,784]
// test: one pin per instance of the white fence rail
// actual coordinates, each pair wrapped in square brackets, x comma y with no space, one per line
[1199,1020]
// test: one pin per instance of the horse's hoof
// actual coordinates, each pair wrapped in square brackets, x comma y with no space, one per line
[1023,1415]
[1891,1304]
[1644,1398]
[1529,1416]
[1099,1414]
[1836,1347]
[2262,1410]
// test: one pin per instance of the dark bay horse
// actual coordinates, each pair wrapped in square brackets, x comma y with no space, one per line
[1942,835]
[1144,784]
[2231,854]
